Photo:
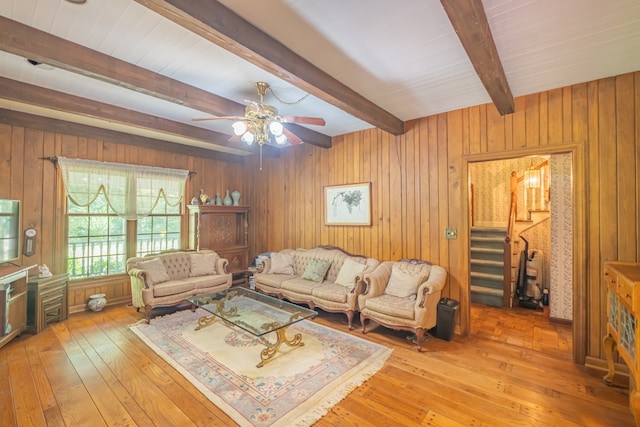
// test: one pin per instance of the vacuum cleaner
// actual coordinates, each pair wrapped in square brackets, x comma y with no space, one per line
[529,283]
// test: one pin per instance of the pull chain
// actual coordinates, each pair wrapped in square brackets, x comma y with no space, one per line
[285,102]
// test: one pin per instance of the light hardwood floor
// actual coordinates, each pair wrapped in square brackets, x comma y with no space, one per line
[90,370]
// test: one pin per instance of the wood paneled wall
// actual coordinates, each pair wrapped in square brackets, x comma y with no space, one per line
[25,176]
[419,185]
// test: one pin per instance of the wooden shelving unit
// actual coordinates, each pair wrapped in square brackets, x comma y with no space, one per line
[224,229]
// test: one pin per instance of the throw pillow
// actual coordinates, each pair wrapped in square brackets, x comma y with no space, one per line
[155,269]
[281,263]
[316,270]
[403,283]
[203,264]
[348,272]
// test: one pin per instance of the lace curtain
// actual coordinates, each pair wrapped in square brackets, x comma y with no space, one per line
[132,191]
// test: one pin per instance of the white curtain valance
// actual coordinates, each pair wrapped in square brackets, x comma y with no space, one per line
[132,191]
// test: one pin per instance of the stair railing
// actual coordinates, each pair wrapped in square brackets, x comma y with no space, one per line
[506,272]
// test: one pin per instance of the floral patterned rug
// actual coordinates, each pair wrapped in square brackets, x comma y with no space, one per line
[295,388]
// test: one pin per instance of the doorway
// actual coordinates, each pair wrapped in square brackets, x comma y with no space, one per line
[566,253]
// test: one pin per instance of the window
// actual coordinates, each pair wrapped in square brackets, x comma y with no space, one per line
[102,197]
[159,231]
[97,239]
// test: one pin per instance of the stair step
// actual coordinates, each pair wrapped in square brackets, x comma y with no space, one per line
[489,254]
[487,276]
[492,297]
[489,230]
[486,250]
[487,262]
[487,239]
[486,291]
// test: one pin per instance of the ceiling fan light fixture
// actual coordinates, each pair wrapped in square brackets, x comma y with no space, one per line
[248,137]
[239,127]
[281,139]
[276,128]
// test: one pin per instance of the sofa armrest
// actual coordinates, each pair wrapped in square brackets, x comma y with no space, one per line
[139,282]
[221,266]
[428,296]
[433,285]
[142,275]
[266,266]
[376,281]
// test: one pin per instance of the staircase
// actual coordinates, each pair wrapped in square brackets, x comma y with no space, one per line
[487,265]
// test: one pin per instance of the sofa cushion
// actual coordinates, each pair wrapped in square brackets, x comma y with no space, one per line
[203,264]
[300,286]
[281,263]
[392,306]
[172,287]
[202,282]
[316,270]
[331,292]
[403,283]
[349,271]
[155,270]
[272,280]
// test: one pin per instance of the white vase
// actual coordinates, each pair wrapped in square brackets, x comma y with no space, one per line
[236,197]
[97,302]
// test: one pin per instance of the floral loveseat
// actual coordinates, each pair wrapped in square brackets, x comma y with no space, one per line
[167,279]
[324,276]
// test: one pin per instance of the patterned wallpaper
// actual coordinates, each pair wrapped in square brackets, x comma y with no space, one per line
[561,291]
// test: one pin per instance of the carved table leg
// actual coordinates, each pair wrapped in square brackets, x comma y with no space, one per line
[609,344]
[272,349]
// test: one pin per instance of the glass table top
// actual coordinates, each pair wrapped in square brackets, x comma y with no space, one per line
[252,311]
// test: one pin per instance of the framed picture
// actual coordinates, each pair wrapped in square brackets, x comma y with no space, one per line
[347,204]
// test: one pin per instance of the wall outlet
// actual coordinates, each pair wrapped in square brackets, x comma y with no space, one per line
[450,233]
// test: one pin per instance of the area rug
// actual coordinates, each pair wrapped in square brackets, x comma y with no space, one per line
[295,388]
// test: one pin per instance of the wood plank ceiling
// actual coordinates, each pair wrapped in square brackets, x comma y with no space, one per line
[133,66]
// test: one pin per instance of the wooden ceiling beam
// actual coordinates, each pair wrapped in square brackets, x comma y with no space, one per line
[470,23]
[25,41]
[215,22]
[47,124]
[51,99]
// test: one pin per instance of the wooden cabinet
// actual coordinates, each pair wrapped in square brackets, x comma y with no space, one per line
[13,302]
[623,308]
[224,229]
[47,301]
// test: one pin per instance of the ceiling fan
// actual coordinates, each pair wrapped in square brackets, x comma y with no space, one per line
[261,122]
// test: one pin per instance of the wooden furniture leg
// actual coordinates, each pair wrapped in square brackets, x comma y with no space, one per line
[609,344]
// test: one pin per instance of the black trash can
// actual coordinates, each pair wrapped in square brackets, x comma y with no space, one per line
[447,318]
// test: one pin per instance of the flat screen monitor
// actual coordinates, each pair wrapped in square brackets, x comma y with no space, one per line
[9,230]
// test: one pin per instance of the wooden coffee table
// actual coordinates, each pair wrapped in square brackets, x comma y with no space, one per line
[256,313]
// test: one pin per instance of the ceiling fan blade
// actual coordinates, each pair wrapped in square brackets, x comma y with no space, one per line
[291,137]
[304,120]
[235,138]
[218,118]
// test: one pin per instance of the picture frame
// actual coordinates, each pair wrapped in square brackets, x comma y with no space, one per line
[348,204]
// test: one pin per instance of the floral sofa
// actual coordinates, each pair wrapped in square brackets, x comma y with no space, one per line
[167,279]
[324,276]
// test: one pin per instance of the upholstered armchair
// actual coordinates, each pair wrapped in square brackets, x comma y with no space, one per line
[402,295]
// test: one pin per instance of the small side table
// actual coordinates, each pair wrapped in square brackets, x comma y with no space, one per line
[47,301]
